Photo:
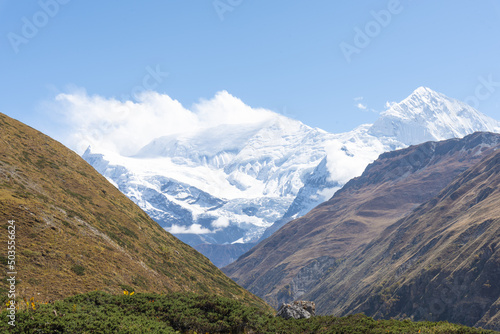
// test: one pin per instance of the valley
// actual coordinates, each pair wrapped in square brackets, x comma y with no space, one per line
[413,236]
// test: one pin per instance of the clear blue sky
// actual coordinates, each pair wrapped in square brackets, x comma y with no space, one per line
[282,55]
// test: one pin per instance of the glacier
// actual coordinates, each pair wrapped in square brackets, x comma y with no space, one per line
[234,184]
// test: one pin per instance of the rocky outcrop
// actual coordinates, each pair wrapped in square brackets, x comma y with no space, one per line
[297,310]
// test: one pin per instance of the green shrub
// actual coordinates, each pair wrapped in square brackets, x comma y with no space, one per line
[78,269]
[99,312]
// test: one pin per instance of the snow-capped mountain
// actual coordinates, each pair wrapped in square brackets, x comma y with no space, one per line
[423,116]
[228,183]
[427,115]
[225,184]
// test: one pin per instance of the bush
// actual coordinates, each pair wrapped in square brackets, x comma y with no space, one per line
[99,312]
[78,269]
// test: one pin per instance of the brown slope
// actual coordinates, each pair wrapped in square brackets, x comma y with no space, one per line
[75,232]
[298,256]
[442,262]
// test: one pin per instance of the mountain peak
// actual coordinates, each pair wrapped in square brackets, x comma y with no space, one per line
[422,91]
[427,115]
[425,95]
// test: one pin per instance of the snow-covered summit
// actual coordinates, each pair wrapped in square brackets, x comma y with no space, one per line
[427,115]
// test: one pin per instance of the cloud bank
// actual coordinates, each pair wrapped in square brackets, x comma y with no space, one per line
[125,127]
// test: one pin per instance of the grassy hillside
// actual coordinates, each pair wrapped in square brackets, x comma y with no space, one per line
[97,312]
[75,232]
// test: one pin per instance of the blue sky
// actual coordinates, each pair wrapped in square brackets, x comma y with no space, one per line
[286,56]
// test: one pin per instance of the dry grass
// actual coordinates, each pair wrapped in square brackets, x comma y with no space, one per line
[77,233]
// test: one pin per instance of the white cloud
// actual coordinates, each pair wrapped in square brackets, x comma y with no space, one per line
[193,229]
[361,106]
[125,127]
[364,107]
[221,222]
[227,109]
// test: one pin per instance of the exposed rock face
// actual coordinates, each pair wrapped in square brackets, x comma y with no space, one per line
[297,310]
[306,305]
[307,278]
